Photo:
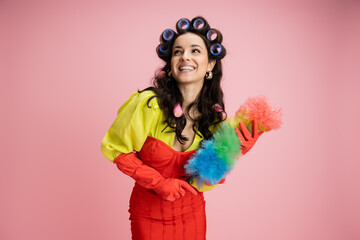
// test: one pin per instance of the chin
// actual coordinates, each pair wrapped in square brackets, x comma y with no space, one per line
[188,80]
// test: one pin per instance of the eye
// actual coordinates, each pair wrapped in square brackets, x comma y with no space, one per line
[176,52]
[196,50]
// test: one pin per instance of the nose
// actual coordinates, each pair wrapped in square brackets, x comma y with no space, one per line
[185,56]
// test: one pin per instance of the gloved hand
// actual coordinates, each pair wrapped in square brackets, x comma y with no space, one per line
[247,141]
[220,182]
[168,189]
[171,189]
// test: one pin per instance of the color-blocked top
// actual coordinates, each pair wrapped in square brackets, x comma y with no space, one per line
[135,122]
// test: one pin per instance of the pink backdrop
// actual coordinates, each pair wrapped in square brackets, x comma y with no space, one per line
[67,66]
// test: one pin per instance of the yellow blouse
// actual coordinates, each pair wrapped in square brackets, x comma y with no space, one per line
[135,121]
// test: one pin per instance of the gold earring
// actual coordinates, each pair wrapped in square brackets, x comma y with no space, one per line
[209,75]
[169,73]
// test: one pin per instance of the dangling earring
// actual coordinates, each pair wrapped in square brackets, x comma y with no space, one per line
[169,73]
[178,112]
[209,75]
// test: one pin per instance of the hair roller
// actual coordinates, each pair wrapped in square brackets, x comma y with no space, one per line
[162,51]
[221,112]
[216,49]
[200,25]
[163,48]
[213,35]
[218,108]
[182,25]
[167,35]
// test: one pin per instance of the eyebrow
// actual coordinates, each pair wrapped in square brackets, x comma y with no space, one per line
[194,45]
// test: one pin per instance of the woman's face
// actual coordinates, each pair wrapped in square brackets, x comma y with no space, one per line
[189,62]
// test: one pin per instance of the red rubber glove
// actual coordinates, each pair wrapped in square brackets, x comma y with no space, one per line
[247,141]
[171,189]
[220,182]
[167,188]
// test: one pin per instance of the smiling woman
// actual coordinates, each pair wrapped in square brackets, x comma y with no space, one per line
[158,129]
[190,62]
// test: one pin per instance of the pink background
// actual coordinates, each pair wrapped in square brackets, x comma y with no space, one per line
[67,66]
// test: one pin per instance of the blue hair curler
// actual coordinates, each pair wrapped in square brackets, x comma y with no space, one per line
[183,24]
[211,35]
[168,34]
[216,49]
[199,23]
[163,49]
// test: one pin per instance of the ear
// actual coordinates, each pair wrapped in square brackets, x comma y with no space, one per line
[211,65]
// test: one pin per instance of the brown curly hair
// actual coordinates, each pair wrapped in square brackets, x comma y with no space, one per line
[169,95]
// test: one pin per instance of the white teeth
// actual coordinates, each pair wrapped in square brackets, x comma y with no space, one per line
[186,68]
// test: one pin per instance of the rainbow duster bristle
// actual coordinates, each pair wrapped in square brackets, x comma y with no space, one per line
[259,108]
[216,157]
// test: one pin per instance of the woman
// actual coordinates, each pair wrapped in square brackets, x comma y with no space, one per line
[158,129]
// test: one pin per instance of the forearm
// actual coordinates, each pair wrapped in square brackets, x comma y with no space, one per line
[131,165]
[167,188]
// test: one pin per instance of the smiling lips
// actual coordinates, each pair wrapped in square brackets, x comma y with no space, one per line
[186,68]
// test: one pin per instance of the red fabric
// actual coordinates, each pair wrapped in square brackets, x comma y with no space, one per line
[153,218]
[169,189]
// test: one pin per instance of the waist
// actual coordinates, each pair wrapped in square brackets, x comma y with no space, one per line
[147,204]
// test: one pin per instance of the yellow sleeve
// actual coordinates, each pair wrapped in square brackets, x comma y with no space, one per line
[131,127]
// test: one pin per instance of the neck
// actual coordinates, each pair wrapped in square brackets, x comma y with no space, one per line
[189,93]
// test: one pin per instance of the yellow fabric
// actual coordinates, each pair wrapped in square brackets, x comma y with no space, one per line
[202,188]
[135,121]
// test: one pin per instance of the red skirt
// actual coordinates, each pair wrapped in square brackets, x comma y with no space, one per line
[153,218]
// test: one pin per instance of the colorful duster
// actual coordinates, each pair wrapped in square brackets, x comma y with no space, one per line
[216,157]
